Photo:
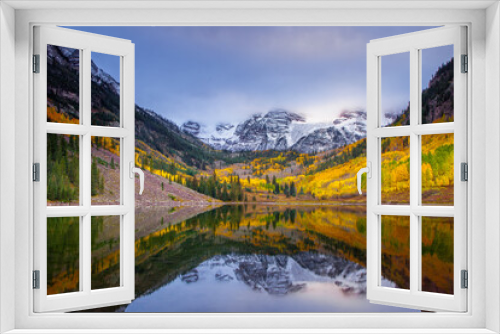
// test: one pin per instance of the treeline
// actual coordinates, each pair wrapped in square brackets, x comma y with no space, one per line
[62,168]
[231,191]
[287,188]
[151,163]
[347,154]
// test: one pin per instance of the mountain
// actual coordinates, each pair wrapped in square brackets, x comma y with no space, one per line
[152,130]
[347,129]
[437,98]
[283,274]
[281,130]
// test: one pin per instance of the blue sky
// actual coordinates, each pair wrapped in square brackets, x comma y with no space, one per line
[225,74]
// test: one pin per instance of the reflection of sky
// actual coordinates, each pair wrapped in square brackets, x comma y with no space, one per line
[207,294]
[214,74]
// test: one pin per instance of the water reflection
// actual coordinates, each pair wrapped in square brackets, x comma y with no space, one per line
[256,258]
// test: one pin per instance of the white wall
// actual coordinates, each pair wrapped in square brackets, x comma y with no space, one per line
[7,159]
[492,149]
[480,122]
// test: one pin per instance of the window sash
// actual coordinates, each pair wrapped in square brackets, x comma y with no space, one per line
[413,43]
[87,43]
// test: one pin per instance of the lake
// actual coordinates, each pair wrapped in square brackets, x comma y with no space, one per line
[245,258]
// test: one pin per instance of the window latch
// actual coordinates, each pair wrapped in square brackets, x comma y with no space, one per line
[133,170]
[368,171]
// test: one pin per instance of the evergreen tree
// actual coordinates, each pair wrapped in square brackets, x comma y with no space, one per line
[112,164]
[276,188]
[267,179]
[287,190]
[94,183]
[101,184]
[224,195]
[293,190]
[162,187]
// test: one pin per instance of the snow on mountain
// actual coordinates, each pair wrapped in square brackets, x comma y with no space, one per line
[99,76]
[282,274]
[281,130]
[348,128]
[71,58]
[191,127]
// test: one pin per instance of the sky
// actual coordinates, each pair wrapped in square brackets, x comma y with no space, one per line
[225,74]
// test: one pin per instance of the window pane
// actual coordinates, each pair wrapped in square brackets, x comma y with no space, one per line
[63,255]
[63,84]
[437,169]
[437,254]
[437,84]
[63,170]
[105,233]
[105,171]
[395,89]
[105,89]
[395,251]
[395,170]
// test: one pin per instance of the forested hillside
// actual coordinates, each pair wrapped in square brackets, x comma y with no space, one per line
[437,99]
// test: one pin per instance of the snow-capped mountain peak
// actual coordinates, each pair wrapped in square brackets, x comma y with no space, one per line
[280,129]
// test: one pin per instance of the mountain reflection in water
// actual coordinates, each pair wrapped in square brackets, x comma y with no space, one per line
[249,258]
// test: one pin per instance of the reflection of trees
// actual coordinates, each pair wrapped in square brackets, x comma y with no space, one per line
[105,246]
[165,254]
[437,252]
[63,254]
[396,249]
[174,248]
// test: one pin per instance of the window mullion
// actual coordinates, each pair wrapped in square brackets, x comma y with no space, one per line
[85,180]
[414,171]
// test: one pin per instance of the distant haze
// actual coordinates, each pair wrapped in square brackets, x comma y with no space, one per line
[225,74]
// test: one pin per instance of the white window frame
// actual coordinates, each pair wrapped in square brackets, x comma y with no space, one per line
[484,237]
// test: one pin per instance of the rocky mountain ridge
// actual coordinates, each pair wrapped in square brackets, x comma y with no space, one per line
[283,274]
[281,130]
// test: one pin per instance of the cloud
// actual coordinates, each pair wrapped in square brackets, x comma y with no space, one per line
[298,43]
[231,107]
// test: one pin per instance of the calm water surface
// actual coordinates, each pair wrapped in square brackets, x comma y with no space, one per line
[240,258]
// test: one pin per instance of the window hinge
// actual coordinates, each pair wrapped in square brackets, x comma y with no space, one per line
[36,63]
[464,171]
[465,279]
[465,63]
[36,172]
[36,279]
